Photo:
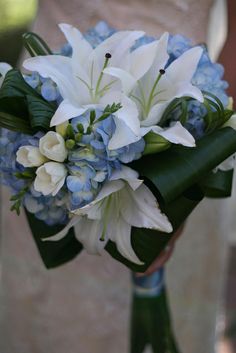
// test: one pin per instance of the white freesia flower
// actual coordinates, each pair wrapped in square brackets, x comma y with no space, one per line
[4,68]
[80,79]
[52,145]
[153,88]
[30,156]
[123,202]
[50,178]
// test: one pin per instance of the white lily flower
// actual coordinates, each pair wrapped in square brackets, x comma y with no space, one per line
[152,87]
[30,156]
[80,79]
[4,68]
[52,145]
[123,202]
[50,178]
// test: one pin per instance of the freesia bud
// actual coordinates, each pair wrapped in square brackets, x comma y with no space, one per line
[62,128]
[155,143]
[50,178]
[30,156]
[52,145]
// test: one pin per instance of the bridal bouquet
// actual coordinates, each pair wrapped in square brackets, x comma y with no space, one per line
[119,135]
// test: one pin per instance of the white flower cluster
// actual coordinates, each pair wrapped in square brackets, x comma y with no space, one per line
[48,157]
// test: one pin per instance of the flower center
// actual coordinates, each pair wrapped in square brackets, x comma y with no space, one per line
[147,103]
[97,92]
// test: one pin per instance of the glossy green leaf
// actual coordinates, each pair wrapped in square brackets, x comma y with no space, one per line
[53,253]
[40,112]
[151,325]
[175,170]
[218,184]
[20,101]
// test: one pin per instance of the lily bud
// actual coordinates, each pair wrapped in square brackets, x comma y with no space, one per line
[155,143]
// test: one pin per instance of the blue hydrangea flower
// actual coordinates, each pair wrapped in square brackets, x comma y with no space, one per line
[45,86]
[91,162]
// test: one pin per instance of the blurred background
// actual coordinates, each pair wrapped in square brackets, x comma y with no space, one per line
[202,272]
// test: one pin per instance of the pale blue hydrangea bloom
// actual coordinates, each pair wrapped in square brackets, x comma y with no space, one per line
[45,86]
[91,162]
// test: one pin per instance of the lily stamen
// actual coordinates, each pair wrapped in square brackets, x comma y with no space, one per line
[152,94]
[97,89]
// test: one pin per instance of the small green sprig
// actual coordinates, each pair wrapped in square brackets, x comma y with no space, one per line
[28,174]
[18,200]
[109,110]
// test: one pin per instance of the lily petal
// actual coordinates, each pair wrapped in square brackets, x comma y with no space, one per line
[89,232]
[141,59]
[95,208]
[140,209]
[183,68]
[66,111]
[81,48]
[129,175]
[118,46]
[59,69]
[122,136]
[155,114]
[184,89]
[127,80]
[122,238]
[160,60]
[126,120]
[175,134]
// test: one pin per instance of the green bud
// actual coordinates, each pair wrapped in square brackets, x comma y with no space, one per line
[80,128]
[78,136]
[70,144]
[89,130]
[92,116]
[62,128]
[155,143]
[70,132]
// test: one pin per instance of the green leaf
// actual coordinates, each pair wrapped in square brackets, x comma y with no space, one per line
[175,170]
[173,177]
[40,112]
[151,325]
[54,253]
[218,184]
[155,143]
[35,44]
[26,109]
[12,122]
